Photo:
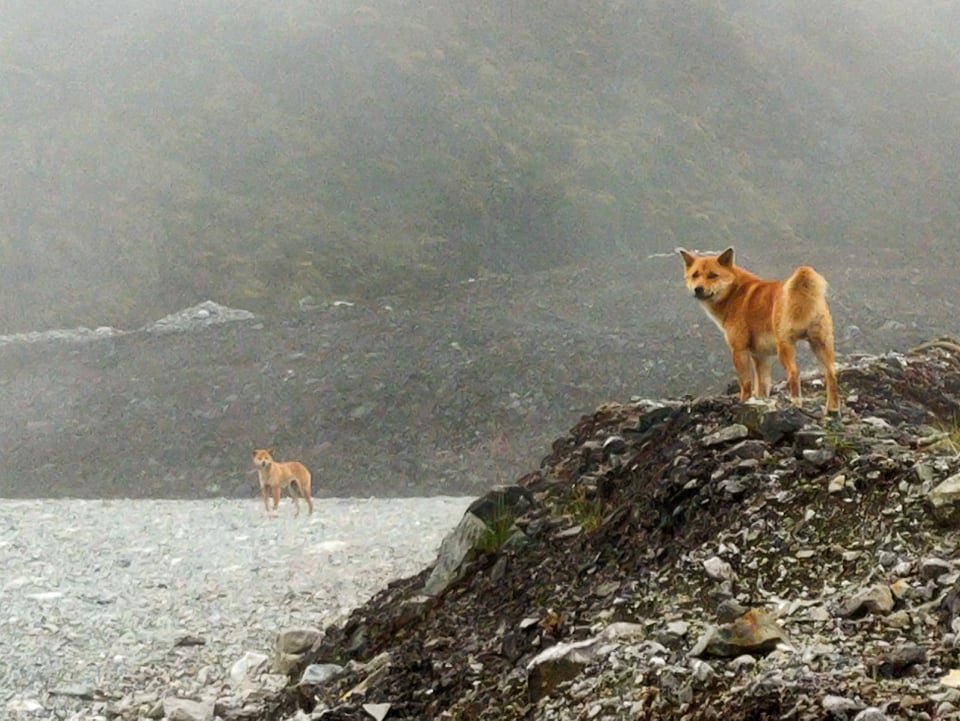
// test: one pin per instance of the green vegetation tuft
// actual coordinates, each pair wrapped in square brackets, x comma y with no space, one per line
[585,512]
[498,531]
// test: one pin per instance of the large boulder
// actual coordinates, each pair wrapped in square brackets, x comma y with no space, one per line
[488,520]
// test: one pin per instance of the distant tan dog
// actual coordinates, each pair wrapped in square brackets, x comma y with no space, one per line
[275,475]
[763,318]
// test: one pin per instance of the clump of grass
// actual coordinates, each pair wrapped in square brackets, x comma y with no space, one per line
[952,441]
[947,439]
[586,512]
[498,531]
[838,441]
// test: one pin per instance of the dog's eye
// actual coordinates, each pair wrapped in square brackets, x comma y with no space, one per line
[712,276]
[696,275]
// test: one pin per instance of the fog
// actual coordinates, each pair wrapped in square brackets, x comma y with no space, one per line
[156,154]
[454,227]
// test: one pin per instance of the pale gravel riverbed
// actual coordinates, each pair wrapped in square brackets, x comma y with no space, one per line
[95,595]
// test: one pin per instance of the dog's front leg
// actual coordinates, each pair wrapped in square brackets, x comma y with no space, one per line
[741,362]
[761,376]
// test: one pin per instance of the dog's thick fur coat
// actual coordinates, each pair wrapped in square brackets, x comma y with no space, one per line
[762,318]
[275,475]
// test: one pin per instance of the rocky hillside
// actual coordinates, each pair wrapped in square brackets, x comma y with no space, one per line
[688,559]
[396,397]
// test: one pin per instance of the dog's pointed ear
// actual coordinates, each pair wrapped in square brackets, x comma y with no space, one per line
[687,256]
[726,257]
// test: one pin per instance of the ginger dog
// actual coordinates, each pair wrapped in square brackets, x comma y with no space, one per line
[762,318]
[275,475]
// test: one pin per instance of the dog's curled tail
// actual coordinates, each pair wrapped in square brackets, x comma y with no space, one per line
[804,292]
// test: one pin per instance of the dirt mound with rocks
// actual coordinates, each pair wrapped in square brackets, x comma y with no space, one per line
[688,559]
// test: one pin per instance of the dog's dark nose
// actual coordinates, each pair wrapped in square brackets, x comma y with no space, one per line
[699,292]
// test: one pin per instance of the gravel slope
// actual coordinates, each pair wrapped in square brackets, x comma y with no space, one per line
[96,595]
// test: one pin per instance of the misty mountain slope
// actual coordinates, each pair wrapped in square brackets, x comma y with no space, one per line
[160,154]
[449,395]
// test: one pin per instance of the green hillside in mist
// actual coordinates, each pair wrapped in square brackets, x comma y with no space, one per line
[156,154]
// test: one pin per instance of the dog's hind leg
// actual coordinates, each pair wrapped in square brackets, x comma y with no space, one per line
[295,495]
[305,491]
[820,337]
[788,359]
[304,484]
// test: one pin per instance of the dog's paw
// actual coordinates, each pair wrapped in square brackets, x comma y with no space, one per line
[832,416]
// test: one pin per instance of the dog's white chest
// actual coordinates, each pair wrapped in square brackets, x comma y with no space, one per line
[709,311]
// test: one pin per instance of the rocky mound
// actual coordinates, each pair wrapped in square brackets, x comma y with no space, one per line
[690,559]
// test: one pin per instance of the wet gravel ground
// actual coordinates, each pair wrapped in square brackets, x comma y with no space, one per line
[106,602]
